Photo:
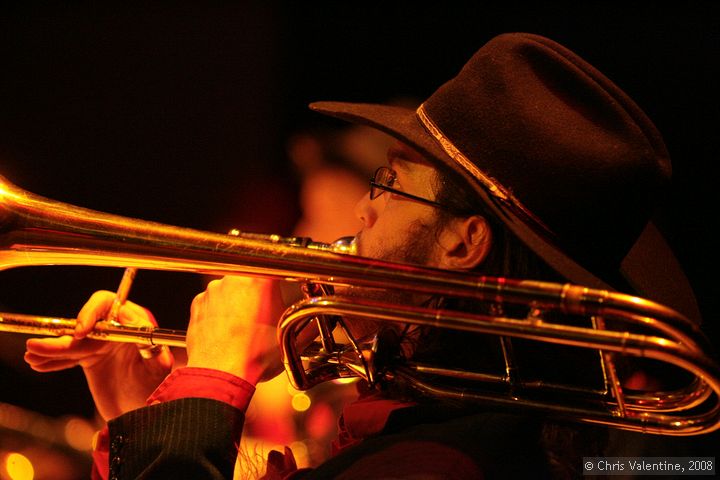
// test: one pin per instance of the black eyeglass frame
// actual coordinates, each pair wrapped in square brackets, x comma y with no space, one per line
[384,188]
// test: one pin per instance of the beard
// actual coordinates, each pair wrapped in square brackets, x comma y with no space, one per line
[416,247]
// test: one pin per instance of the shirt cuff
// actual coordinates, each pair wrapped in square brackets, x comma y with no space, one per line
[101,455]
[193,382]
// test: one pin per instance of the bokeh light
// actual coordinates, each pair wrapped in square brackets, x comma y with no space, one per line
[300,402]
[19,467]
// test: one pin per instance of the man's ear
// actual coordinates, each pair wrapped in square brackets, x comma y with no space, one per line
[464,242]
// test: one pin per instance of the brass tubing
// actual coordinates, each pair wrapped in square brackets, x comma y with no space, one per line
[644,422]
[37,231]
[639,418]
[106,331]
[648,346]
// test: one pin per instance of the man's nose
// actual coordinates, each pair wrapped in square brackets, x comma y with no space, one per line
[366,211]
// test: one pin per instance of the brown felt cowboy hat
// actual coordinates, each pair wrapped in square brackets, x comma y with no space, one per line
[564,158]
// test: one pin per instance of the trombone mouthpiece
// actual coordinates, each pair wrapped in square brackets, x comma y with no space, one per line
[344,245]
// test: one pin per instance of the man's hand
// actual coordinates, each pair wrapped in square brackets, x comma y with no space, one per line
[119,378]
[233,328]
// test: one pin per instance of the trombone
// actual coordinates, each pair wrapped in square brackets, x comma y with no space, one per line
[37,231]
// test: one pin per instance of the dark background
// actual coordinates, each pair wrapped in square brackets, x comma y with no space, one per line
[179,113]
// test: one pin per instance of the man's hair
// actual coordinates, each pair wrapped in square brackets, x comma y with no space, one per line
[511,258]
[508,256]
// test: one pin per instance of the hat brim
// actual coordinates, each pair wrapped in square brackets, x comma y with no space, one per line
[650,268]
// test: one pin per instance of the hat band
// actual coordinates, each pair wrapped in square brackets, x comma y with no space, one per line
[494,188]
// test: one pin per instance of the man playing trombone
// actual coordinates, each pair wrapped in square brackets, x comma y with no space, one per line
[528,164]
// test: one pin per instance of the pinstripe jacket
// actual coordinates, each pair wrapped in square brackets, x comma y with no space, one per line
[197,438]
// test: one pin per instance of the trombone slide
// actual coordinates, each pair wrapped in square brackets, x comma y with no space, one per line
[106,331]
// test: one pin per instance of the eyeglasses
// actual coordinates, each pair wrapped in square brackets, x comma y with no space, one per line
[382,182]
